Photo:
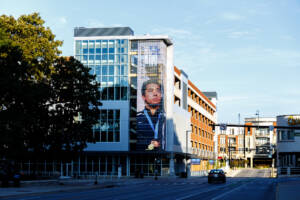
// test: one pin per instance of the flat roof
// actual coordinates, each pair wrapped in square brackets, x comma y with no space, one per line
[105,31]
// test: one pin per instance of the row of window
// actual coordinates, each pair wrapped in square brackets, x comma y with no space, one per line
[201,132]
[286,135]
[201,146]
[111,70]
[104,46]
[197,115]
[108,128]
[199,101]
[101,51]
[103,59]
[114,93]
[231,140]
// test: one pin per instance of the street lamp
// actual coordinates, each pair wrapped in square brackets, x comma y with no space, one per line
[257,114]
[186,152]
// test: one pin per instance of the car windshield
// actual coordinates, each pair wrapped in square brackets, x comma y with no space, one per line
[216,171]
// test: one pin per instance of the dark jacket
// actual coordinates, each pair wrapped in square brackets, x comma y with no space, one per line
[145,133]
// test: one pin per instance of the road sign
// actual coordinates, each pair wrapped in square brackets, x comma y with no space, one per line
[223,127]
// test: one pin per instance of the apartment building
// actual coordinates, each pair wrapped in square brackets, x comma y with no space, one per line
[231,146]
[288,145]
[202,115]
[260,142]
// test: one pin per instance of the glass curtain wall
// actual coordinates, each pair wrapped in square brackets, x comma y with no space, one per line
[108,60]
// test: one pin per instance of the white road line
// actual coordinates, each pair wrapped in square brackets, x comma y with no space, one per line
[197,193]
[31,198]
[218,197]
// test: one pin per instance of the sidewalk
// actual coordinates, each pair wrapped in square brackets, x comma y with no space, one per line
[288,190]
[49,186]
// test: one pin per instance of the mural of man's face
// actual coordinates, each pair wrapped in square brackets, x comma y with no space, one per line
[152,95]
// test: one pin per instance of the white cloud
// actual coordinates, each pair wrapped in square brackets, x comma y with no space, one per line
[239,34]
[62,20]
[94,24]
[232,98]
[232,16]
[178,33]
[287,37]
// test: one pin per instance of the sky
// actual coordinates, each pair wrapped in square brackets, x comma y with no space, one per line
[246,51]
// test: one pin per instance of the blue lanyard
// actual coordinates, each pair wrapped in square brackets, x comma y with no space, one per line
[155,130]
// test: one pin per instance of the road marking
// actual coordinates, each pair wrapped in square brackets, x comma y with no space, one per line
[197,193]
[218,197]
[31,198]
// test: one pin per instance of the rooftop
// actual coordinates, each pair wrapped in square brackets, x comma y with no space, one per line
[107,31]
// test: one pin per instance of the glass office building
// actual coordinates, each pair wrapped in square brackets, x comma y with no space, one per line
[129,68]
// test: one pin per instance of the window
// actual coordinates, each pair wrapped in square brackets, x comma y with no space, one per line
[108,129]
[103,59]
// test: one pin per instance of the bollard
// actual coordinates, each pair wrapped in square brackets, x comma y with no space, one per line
[96,179]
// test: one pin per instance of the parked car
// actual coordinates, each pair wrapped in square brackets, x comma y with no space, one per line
[216,175]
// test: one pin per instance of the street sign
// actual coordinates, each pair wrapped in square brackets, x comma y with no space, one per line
[195,161]
[223,127]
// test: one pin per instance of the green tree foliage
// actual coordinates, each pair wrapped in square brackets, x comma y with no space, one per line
[75,106]
[47,103]
[22,104]
[36,42]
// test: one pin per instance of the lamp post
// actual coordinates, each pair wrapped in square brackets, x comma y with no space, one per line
[257,114]
[186,152]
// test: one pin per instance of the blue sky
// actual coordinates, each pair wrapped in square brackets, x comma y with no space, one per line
[246,51]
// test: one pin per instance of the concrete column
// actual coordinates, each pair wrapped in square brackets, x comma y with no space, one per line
[288,171]
[251,162]
[79,166]
[128,166]
[113,167]
[172,168]
[294,160]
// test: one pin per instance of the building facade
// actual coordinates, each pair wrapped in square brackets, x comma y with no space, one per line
[231,146]
[260,142]
[288,145]
[202,114]
[158,136]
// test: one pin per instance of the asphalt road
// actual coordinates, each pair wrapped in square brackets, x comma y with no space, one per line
[248,184]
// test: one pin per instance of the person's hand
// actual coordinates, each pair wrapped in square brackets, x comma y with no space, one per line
[155,143]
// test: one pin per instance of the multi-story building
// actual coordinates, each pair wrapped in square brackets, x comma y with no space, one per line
[231,146]
[131,69]
[203,113]
[260,142]
[288,144]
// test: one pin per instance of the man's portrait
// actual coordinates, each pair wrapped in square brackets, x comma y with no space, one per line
[151,120]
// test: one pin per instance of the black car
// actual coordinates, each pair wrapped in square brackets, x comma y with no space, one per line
[217,175]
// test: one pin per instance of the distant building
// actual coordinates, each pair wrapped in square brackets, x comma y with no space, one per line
[231,146]
[288,146]
[260,142]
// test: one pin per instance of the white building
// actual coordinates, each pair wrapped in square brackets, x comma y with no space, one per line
[122,62]
[288,146]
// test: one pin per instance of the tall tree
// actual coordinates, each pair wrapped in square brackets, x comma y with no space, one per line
[22,103]
[47,103]
[75,106]
[36,41]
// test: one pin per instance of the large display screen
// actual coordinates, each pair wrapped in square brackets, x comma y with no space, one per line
[151,120]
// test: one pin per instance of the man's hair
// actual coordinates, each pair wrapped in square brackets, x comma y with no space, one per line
[151,81]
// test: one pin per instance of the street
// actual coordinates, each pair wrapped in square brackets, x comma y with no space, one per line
[248,184]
